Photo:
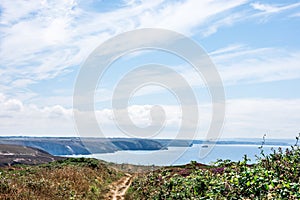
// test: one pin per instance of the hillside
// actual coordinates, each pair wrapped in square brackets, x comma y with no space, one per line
[73,178]
[30,173]
[82,146]
[14,154]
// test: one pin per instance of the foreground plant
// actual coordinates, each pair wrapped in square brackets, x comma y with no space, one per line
[274,176]
[73,178]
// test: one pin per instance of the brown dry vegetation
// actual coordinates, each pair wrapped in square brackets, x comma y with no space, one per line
[70,179]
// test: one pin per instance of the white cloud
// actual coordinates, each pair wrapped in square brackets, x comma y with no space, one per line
[236,64]
[227,49]
[244,118]
[13,105]
[141,117]
[268,8]
[41,40]
[10,105]
[12,12]
[228,19]
[185,16]
[28,119]
[240,64]
[263,11]
[254,117]
[265,7]
[34,38]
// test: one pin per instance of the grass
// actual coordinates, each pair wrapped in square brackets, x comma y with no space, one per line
[274,176]
[73,178]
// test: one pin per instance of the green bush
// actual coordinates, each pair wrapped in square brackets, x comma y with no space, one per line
[274,176]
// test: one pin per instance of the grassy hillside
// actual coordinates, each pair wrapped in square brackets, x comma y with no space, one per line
[74,178]
[275,176]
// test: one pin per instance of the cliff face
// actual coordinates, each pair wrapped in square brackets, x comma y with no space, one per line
[137,144]
[76,146]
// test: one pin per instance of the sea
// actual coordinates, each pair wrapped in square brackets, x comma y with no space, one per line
[205,154]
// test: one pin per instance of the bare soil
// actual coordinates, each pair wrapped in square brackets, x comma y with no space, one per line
[118,189]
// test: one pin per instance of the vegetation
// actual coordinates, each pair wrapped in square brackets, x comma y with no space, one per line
[274,176]
[73,178]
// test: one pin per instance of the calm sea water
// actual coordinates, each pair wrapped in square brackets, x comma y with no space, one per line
[184,155]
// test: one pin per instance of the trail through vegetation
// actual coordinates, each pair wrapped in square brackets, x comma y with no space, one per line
[119,188]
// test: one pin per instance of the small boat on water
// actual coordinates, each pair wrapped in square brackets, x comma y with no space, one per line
[204,146]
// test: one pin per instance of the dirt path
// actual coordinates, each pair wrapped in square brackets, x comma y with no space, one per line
[119,188]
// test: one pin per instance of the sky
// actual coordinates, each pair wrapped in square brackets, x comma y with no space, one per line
[254,45]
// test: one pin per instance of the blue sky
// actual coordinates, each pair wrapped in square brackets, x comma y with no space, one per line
[255,46]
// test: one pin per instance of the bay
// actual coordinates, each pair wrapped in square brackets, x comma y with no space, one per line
[184,155]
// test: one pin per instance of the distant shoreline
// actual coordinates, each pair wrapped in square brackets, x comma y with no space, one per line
[92,145]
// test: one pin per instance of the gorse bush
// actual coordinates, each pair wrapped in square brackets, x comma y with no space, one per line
[274,176]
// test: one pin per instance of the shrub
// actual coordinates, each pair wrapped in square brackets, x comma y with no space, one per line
[274,176]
